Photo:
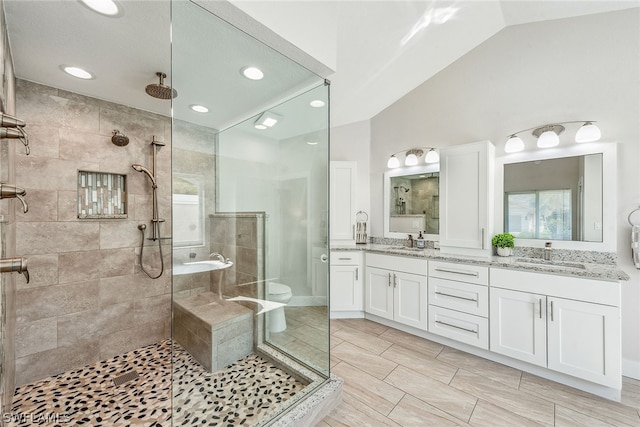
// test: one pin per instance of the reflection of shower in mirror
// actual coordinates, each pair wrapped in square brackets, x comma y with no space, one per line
[401,206]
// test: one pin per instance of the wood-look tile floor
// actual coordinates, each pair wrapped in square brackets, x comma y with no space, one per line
[396,379]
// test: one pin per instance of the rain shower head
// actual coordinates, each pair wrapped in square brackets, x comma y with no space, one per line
[160,90]
[119,138]
[142,169]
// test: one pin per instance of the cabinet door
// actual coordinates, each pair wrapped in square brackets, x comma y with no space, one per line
[466,179]
[343,200]
[518,325]
[584,340]
[410,299]
[346,288]
[379,292]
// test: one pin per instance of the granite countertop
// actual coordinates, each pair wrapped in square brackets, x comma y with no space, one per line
[609,272]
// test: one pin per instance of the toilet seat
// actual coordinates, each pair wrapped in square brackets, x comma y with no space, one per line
[278,289]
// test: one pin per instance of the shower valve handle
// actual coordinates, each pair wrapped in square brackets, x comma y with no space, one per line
[8,265]
[8,191]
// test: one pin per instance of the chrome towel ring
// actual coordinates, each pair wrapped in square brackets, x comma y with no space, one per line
[629,217]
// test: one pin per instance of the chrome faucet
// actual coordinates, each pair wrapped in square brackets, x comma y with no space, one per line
[8,191]
[220,257]
[8,265]
[547,251]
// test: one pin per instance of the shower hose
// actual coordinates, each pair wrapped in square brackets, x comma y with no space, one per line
[142,228]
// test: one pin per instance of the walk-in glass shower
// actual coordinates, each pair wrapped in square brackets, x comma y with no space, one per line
[250,317]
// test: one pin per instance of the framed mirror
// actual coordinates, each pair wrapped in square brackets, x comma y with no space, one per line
[559,195]
[411,202]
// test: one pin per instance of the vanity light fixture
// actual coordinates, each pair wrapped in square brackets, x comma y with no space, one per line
[267,120]
[252,73]
[77,72]
[549,135]
[412,157]
[199,108]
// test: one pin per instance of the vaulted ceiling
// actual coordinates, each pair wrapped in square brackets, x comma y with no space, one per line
[380,50]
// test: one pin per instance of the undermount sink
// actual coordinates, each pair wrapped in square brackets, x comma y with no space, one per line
[200,266]
[404,248]
[540,262]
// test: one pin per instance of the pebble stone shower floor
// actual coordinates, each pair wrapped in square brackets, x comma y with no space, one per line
[240,394]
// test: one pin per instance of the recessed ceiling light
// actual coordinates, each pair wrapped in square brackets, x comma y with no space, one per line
[316,103]
[252,73]
[266,120]
[103,7]
[312,142]
[199,108]
[77,72]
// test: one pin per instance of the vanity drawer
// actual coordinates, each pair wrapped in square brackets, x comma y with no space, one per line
[346,258]
[476,274]
[398,263]
[466,328]
[465,297]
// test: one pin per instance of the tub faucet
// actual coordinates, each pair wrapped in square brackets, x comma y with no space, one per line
[220,257]
[547,251]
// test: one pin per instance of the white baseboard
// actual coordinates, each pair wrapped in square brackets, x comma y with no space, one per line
[347,315]
[306,301]
[631,368]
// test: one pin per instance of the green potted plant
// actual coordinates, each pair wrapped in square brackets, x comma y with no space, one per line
[503,242]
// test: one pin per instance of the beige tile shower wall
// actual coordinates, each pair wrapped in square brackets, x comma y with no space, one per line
[194,155]
[87,299]
[240,237]
[7,228]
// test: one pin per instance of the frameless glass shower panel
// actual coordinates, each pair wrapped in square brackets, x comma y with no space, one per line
[282,171]
[249,225]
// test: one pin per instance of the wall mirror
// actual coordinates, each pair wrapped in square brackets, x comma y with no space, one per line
[411,202]
[554,199]
[559,195]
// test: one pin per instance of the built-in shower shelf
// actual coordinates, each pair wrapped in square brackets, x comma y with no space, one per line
[102,195]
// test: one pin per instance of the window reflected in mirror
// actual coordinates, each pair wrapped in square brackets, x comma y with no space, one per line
[188,210]
[554,199]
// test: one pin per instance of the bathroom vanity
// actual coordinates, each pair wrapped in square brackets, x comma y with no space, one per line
[558,320]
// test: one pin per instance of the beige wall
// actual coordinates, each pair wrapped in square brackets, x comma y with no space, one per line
[87,299]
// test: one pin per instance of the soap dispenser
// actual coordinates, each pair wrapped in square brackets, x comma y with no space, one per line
[420,241]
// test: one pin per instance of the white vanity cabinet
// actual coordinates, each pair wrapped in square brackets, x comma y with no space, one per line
[396,289]
[343,199]
[346,289]
[459,302]
[466,198]
[567,324]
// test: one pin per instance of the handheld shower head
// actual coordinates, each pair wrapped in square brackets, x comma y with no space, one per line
[140,168]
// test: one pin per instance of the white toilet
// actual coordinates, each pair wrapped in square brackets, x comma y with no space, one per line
[279,293]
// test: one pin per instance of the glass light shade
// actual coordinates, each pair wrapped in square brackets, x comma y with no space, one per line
[393,162]
[548,139]
[432,156]
[514,144]
[588,133]
[411,160]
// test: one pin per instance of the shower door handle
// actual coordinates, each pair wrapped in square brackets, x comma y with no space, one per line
[324,258]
